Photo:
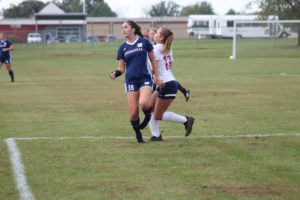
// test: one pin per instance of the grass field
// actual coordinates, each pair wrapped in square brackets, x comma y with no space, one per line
[64,90]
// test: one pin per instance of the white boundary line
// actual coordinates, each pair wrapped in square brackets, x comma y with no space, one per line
[18,167]
[286,74]
[18,170]
[130,137]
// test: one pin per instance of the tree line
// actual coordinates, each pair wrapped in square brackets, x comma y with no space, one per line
[285,9]
[26,9]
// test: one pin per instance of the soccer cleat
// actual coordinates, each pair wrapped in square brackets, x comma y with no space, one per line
[139,138]
[141,141]
[145,122]
[154,139]
[187,95]
[188,125]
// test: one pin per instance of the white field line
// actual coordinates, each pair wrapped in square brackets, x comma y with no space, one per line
[18,170]
[130,137]
[286,74]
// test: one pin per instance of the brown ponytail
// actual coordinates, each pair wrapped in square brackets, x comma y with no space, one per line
[137,28]
[168,39]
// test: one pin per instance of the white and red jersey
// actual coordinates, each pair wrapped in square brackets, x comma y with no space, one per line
[164,61]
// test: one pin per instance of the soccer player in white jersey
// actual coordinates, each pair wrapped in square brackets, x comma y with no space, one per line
[132,56]
[185,92]
[164,96]
[5,57]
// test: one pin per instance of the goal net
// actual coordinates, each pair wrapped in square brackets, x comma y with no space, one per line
[273,38]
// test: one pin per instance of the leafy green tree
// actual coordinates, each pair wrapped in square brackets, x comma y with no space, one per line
[203,8]
[285,9]
[164,8]
[69,5]
[231,12]
[24,10]
[103,10]
[94,8]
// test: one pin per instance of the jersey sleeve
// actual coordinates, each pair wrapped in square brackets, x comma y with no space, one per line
[148,45]
[8,44]
[120,55]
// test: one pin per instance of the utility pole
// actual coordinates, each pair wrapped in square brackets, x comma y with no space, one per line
[83,6]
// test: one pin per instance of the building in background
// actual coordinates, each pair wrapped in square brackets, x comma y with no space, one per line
[51,22]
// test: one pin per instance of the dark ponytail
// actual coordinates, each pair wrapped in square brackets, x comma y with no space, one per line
[137,28]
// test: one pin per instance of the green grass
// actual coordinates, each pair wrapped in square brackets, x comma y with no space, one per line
[65,90]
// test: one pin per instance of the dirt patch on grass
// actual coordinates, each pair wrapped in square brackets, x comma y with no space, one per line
[73,54]
[225,93]
[270,190]
[267,191]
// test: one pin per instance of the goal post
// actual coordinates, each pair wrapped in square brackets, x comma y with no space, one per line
[262,32]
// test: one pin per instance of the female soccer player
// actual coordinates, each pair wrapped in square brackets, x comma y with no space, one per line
[185,92]
[164,96]
[5,48]
[132,55]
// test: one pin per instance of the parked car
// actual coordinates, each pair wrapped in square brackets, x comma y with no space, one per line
[34,38]
[101,37]
[72,38]
[53,40]
[110,38]
[92,38]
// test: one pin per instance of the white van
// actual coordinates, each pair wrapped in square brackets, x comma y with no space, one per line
[34,38]
[204,25]
[222,26]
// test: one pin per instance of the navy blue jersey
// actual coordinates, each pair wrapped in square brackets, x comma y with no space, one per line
[5,44]
[135,57]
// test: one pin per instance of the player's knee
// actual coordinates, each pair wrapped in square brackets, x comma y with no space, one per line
[157,116]
[145,105]
[134,116]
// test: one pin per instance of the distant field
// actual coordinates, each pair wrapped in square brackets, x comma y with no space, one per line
[64,90]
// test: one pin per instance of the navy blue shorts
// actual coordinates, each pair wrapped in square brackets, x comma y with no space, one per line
[5,59]
[133,86]
[169,91]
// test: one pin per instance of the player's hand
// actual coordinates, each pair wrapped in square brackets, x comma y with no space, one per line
[4,49]
[113,75]
[159,83]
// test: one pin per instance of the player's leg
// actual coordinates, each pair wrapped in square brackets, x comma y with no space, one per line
[153,99]
[165,98]
[162,105]
[154,124]
[185,92]
[145,103]
[10,71]
[133,104]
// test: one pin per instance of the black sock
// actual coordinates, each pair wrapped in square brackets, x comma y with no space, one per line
[182,89]
[147,118]
[11,74]
[136,128]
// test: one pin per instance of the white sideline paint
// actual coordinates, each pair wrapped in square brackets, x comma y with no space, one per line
[18,170]
[285,74]
[130,137]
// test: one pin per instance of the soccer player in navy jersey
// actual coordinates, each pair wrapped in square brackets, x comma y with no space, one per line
[164,96]
[5,48]
[185,92]
[132,57]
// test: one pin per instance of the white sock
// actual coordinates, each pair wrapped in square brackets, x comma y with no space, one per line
[173,117]
[154,126]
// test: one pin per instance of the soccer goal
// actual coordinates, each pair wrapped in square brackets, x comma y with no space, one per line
[269,38]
